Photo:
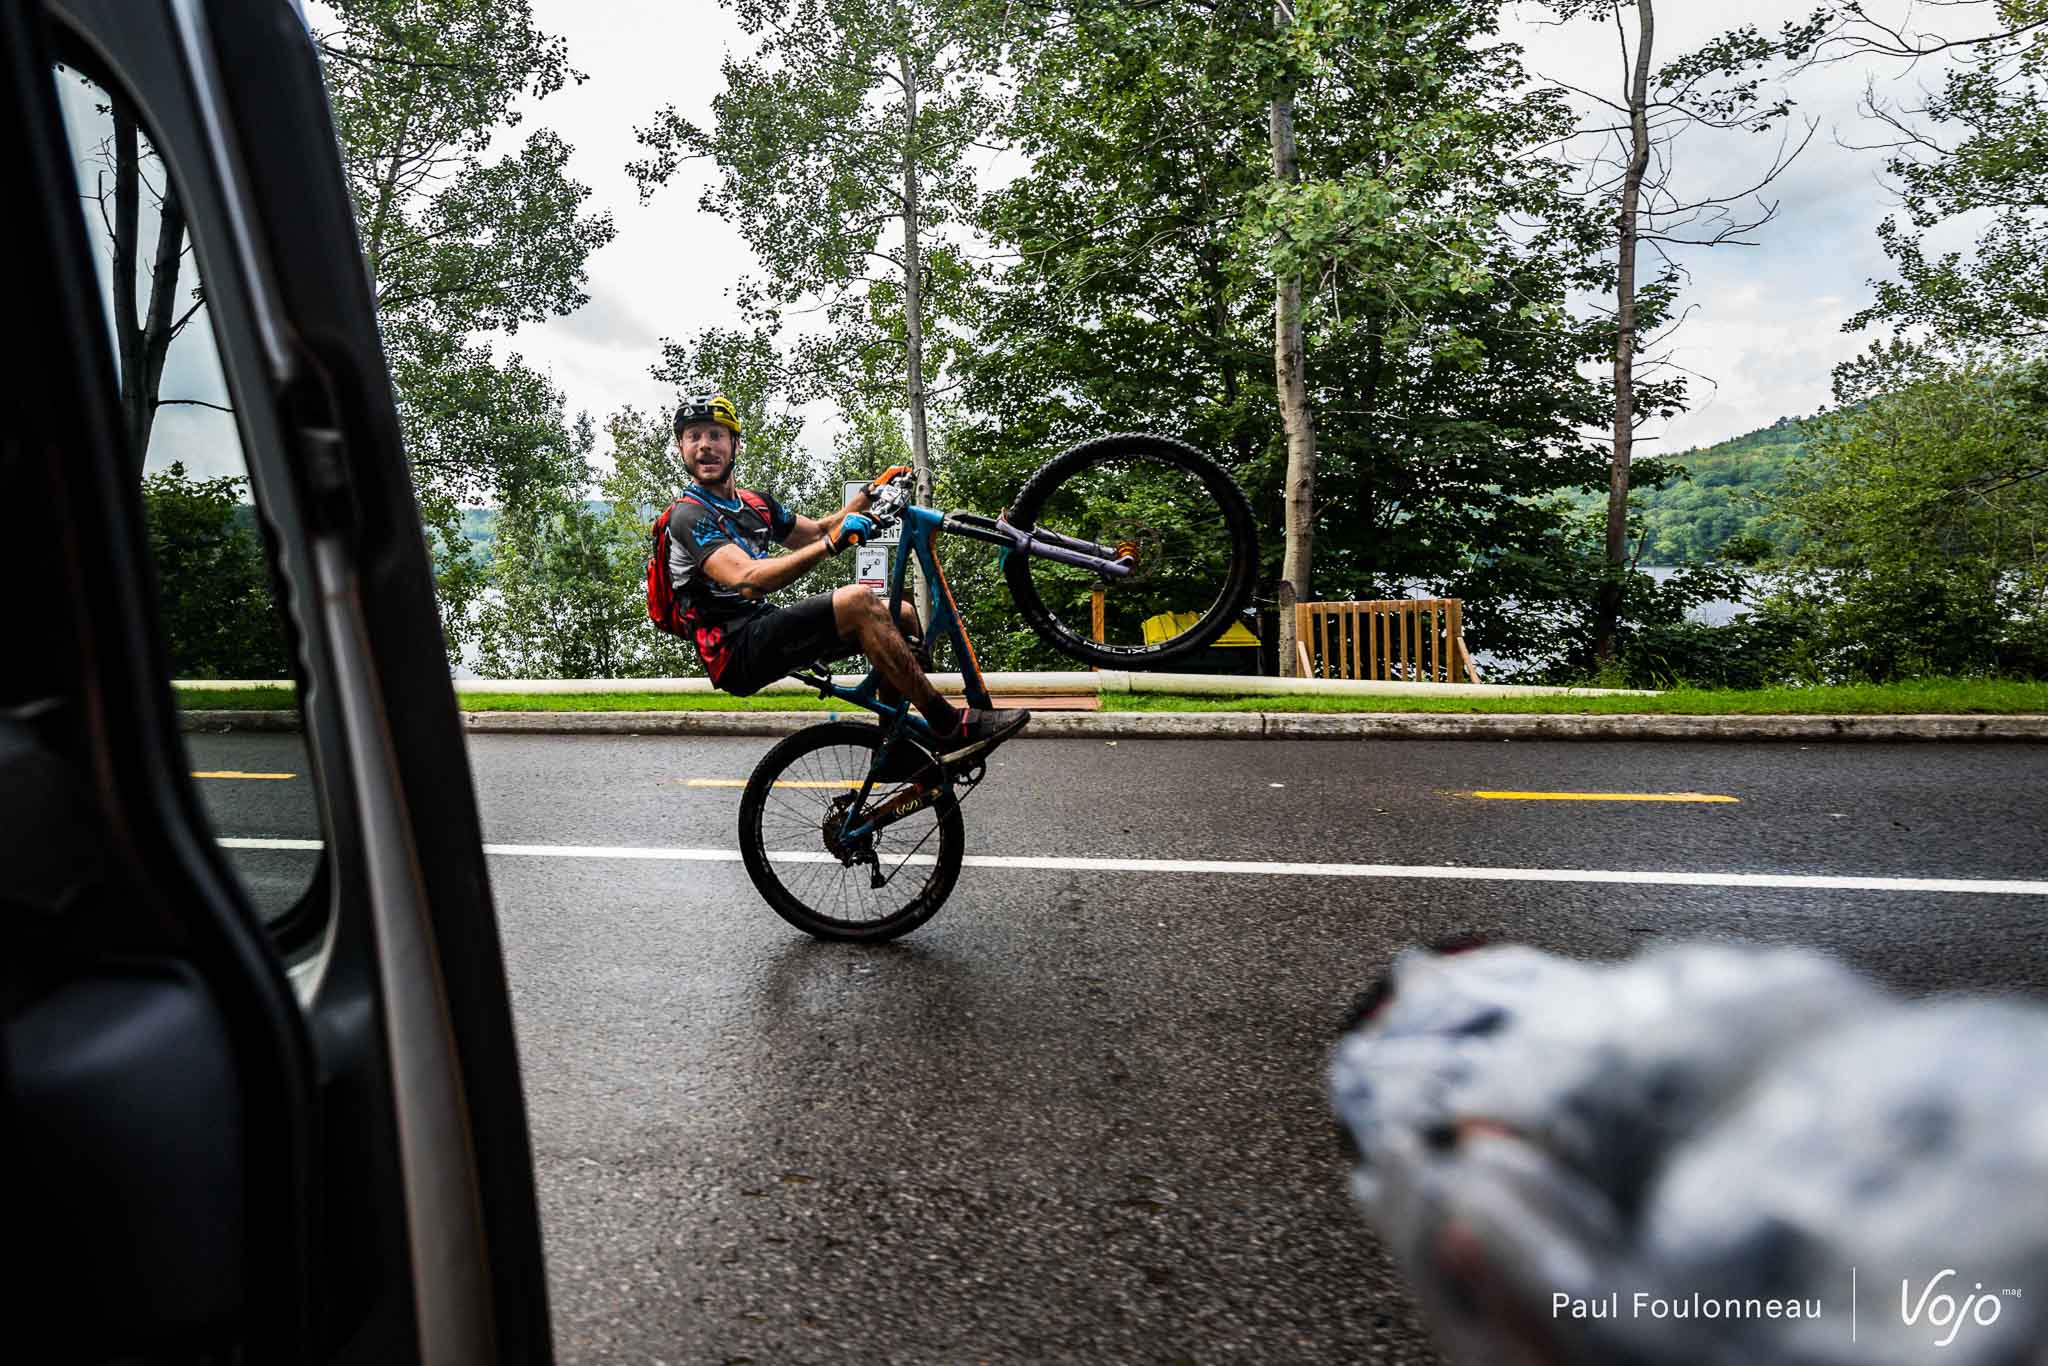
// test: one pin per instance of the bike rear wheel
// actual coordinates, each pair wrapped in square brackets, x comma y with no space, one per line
[791,813]
[1186,526]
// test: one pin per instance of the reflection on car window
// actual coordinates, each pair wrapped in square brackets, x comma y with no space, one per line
[219,616]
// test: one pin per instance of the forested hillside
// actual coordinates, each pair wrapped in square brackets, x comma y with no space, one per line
[1688,519]
[1719,497]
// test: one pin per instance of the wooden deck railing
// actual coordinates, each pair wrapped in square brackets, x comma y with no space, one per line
[1419,640]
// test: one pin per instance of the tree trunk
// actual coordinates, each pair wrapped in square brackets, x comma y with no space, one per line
[142,343]
[127,247]
[387,186]
[159,327]
[1290,370]
[913,317]
[1608,613]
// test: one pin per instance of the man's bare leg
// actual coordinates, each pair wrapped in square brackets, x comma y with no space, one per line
[863,619]
[920,649]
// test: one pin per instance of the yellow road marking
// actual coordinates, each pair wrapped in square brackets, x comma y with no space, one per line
[235,773]
[781,782]
[1603,797]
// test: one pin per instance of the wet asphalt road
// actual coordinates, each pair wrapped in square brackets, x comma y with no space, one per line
[1079,1116]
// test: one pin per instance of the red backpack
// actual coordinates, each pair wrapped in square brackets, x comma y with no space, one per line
[661,594]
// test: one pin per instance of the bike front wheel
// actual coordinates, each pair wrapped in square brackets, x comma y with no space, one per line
[1181,522]
[793,817]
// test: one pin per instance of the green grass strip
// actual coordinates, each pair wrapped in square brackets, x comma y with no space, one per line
[238,699]
[1948,696]
[647,701]
[284,699]
[1938,696]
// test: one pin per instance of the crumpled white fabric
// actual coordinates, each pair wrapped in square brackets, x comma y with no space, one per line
[1567,1156]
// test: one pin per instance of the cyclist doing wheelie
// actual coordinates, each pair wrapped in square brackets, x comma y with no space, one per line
[1124,550]
[721,572]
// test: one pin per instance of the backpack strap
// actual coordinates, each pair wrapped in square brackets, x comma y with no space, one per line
[747,496]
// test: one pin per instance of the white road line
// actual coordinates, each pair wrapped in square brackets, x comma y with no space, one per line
[1235,868]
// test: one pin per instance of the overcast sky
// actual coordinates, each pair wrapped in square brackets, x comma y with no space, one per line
[1765,325]
[1766,319]
[1763,333]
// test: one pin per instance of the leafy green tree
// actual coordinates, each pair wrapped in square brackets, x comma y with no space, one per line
[567,600]
[1657,643]
[841,144]
[645,476]
[1921,512]
[1972,148]
[1441,359]
[215,603]
[765,388]
[461,242]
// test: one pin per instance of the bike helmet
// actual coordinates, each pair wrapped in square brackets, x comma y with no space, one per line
[711,406]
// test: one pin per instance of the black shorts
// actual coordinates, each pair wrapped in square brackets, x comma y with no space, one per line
[767,645]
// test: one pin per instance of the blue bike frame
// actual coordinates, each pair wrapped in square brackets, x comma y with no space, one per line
[919,525]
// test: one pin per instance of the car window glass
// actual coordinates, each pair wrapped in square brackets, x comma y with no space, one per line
[213,592]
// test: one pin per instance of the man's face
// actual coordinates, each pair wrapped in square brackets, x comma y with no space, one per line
[707,450]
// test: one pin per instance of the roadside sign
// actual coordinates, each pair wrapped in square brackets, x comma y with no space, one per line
[889,537]
[871,568]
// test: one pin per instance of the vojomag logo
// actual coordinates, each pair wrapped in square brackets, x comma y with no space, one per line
[1942,1312]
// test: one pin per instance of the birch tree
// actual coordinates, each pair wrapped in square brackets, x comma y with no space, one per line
[140,216]
[461,244]
[1633,172]
[1291,375]
[1437,249]
[1403,186]
[841,144]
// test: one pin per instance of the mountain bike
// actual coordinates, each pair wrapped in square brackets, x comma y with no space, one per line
[1128,551]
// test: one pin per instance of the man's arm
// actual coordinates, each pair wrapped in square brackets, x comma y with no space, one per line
[808,531]
[753,578]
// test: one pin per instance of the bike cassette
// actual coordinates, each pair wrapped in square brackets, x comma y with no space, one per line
[860,851]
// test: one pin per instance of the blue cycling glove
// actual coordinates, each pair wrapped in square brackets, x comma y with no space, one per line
[856,529]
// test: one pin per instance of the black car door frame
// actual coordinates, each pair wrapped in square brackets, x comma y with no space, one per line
[389,1192]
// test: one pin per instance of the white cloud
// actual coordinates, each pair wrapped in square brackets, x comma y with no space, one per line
[1765,322]
[668,271]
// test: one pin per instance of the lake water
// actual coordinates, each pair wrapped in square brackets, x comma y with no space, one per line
[1719,612]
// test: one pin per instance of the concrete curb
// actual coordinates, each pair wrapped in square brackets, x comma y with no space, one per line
[1045,684]
[1256,726]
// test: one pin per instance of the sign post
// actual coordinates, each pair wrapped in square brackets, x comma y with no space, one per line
[871,569]
[871,561]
